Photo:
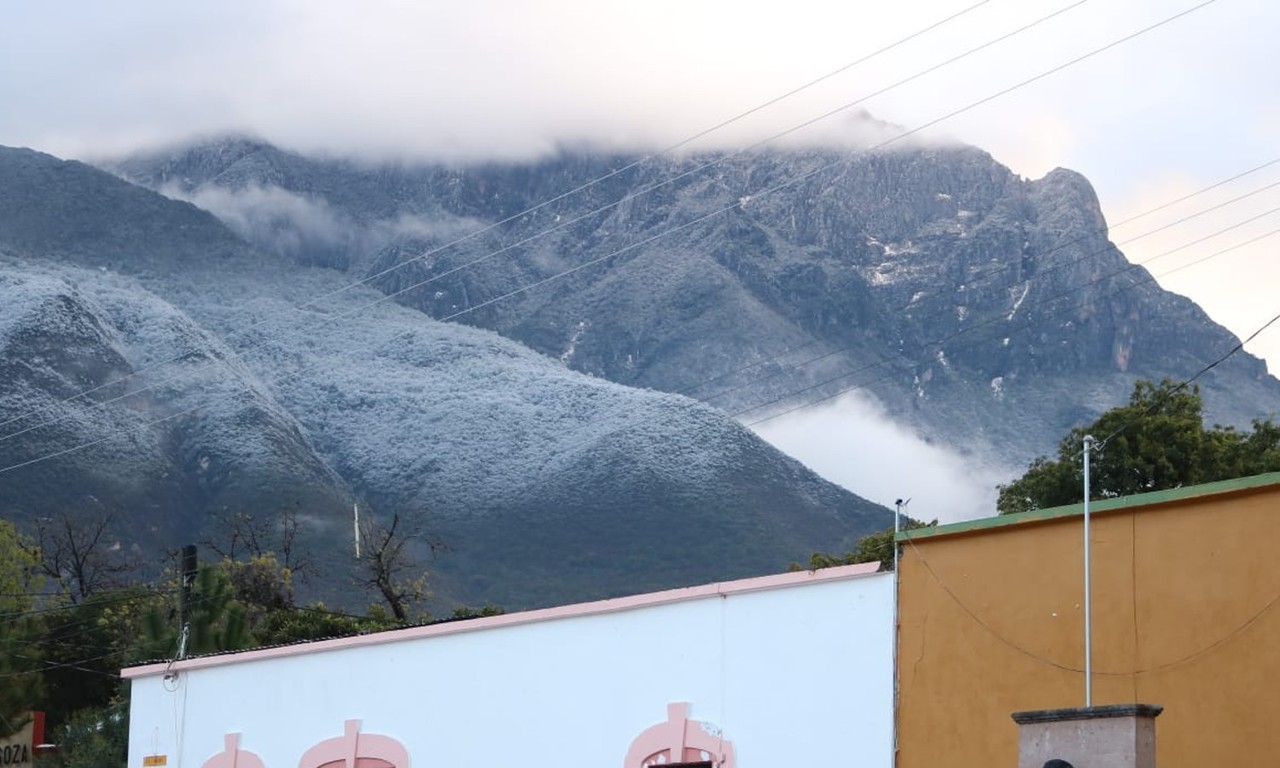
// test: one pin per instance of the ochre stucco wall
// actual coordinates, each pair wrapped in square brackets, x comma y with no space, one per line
[1184,616]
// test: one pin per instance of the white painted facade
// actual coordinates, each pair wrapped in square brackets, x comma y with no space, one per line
[793,670]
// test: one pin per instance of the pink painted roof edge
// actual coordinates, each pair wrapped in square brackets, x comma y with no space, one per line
[612,605]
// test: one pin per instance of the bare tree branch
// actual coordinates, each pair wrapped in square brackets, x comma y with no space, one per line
[83,553]
[388,565]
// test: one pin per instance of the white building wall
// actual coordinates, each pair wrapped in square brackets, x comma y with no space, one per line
[797,674]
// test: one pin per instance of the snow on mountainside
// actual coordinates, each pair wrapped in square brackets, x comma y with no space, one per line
[202,434]
[987,312]
[267,385]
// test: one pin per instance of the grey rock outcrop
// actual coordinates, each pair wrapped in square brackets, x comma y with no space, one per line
[987,311]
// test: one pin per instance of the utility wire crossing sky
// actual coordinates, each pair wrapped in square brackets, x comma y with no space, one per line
[1163,115]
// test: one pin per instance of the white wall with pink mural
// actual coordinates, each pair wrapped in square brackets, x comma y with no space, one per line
[787,670]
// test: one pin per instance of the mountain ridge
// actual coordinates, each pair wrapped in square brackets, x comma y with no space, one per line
[259,396]
[922,276]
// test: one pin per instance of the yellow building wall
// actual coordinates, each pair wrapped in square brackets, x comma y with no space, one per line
[1185,587]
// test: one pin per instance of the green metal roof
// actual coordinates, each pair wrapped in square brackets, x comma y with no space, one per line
[1235,485]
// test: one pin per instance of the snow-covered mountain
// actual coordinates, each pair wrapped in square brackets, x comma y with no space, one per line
[185,373]
[985,311]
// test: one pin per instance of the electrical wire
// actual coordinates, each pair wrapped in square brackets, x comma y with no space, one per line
[562,196]
[579,218]
[697,220]
[821,169]
[9,615]
[196,603]
[1187,382]
[693,388]
[1222,640]
[980,277]
[1056,267]
[49,665]
[1027,325]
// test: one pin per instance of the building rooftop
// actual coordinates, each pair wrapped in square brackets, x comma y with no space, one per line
[598,607]
[1240,485]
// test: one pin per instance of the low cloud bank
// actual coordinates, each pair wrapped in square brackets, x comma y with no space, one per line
[854,444]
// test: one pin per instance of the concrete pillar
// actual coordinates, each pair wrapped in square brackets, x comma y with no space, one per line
[1111,736]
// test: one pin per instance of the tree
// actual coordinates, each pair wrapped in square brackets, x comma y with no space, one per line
[84,645]
[217,620]
[94,737]
[869,549]
[238,535]
[20,664]
[20,670]
[260,582]
[1156,441]
[388,565]
[315,622]
[82,553]
[19,569]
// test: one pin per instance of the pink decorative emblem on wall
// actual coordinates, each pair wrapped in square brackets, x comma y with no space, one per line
[356,750]
[232,756]
[679,740]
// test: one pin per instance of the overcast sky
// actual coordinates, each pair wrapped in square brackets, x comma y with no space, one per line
[1187,105]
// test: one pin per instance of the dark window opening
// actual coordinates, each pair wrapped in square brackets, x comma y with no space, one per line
[704,764]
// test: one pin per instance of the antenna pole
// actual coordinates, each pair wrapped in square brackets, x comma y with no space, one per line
[355,525]
[897,528]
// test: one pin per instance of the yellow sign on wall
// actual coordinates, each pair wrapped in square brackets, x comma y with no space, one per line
[151,760]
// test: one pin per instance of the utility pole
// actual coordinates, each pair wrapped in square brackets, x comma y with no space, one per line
[188,579]
[1089,444]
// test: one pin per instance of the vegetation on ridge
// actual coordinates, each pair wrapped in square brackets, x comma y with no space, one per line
[1156,441]
[77,609]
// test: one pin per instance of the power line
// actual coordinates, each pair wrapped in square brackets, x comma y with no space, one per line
[1026,326]
[1129,241]
[1041,659]
[969,280]
[697,220]
[827,166]
[994,320]
[1188,382]
[938,342]
[600,209]
[92,602]
[515,217]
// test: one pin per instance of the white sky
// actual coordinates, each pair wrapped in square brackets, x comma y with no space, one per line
[1184,106]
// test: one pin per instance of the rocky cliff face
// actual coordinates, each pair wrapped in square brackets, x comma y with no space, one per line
[154,365]
[987,311]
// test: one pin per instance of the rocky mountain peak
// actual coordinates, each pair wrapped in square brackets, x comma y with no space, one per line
[933,270]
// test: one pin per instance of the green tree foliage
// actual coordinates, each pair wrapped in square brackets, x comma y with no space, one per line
[84,645]
[93,738]
[869,549]
[315,623]
[218,622]
[1157,440]
[19,563]
[63,653]
[21,680]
